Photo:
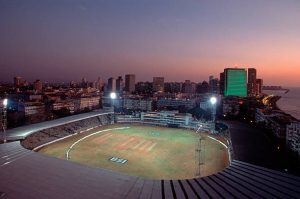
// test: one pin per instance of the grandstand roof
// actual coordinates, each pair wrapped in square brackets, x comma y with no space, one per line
[23,131]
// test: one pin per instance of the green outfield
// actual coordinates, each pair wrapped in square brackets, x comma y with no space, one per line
[147,151]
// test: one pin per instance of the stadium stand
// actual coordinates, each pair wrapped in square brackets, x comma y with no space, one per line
[47,135]
[25,174]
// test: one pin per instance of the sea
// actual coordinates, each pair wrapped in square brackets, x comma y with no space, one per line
[289,102]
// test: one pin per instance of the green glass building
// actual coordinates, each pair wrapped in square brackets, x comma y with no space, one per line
[235,82]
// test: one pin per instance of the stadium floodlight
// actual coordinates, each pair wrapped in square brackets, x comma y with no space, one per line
[213,100]
[4,119]
[5,102]
[113,95]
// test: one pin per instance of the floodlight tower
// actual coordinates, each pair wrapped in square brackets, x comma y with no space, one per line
[4,118]
[213,101]
[113,96]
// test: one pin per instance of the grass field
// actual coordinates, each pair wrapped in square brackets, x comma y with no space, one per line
[147,151]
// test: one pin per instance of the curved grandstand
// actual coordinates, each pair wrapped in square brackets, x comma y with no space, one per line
[39,176]
[144,148]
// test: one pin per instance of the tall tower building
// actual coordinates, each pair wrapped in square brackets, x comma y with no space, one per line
[251,86]
[130,83]
[119,84]
[259,84]
[158,84]
[84,83]
[17,81]
[189,87]
[100,84]
[111,85]
[222,83]
[213,85]
[38,85]
[235,82]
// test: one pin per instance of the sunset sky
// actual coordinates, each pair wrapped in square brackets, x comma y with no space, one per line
[62,40]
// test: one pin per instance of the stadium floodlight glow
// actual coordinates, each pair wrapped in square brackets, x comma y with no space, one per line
[213,100]
[113,95]
[5,102]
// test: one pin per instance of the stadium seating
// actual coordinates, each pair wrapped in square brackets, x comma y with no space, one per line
[47,135]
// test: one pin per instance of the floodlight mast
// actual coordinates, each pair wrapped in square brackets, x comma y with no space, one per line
[4,119]
[213,101]
[5,102]
[113,96]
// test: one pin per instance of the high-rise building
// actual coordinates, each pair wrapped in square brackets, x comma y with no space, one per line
[235,82]
[213,85]
[130,83]
[259,84]
[17,81]
[251,86]
[202,87]
[173,87]
[84,83]
[158,84]
[222,83]
[111,85]
[38,85]
[143,87]
[189,87]
[99,84]
[119,84]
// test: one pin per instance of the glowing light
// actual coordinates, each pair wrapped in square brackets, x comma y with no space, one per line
[5,102]
[236,82]
[213,100]
[113,95]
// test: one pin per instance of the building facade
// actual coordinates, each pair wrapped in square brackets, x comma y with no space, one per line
[168,118]
[111,85]
[293,136]
[18,81]
[65,104]
[33,108]
[259,85]
[130,83]
[137,104]
[38,85]
[158,84]
[235,82]
[119,84]
[251,85]
[86,103]
[176,103]
[214,86]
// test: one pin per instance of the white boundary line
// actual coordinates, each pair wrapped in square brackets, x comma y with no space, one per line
[59,139]
[70,148]
[229,156]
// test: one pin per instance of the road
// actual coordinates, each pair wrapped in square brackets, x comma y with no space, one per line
[252,145]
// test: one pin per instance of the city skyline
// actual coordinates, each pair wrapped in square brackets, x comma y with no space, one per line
[63,41]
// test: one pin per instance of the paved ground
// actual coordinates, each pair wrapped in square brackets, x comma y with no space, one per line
[253,146]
